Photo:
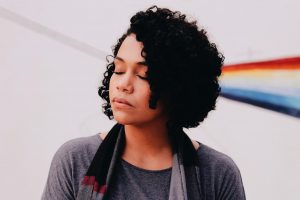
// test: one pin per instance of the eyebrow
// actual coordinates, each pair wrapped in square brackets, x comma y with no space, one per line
[137,63]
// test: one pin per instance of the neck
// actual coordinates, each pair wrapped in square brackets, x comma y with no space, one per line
[148,146]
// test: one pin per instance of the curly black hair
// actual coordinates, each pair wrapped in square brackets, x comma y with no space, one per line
[183,65]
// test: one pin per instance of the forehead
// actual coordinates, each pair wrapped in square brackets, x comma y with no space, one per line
[131,49]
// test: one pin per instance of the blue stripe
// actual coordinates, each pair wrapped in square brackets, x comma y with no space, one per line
[284,104]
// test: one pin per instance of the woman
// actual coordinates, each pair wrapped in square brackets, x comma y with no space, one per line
[163,78]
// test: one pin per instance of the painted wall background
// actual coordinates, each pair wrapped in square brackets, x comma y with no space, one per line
[51,63]
[273,84]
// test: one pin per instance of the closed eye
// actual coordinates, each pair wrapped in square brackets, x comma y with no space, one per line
[144,78]
[141,77]
[118,72]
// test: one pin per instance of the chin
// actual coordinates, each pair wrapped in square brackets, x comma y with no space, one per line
[123,120]
[128,121]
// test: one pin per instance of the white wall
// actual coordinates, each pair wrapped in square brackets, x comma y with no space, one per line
[51,63]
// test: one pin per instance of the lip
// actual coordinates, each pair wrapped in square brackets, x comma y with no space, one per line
[120,101]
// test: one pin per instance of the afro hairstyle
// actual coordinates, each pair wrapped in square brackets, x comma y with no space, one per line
[183,65]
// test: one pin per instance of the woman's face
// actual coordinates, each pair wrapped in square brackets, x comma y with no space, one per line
[128,84]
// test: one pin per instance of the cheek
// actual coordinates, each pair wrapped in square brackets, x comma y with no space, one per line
[143,93]
[111,85]
[111,81]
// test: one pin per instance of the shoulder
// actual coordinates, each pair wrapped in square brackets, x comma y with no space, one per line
[82,144]
[76,154]
[220,174]
[214,159]
[69,164]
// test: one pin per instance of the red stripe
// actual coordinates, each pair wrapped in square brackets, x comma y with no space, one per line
[88,180]
[284,63]
[96,186]
[102,189]
[91,181]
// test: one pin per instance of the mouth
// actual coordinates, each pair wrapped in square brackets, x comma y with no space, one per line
[121,102]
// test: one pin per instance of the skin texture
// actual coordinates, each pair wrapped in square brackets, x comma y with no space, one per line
[147,142]
[130,86]
[195,143]
[183,66]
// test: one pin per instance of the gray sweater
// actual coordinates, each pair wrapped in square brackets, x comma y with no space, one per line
[220,176]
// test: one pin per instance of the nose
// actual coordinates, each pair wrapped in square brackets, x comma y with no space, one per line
[125,84]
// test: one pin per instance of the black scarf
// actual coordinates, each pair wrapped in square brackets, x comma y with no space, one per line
[100,175]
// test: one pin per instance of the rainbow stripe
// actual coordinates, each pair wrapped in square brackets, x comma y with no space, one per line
[271,84]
